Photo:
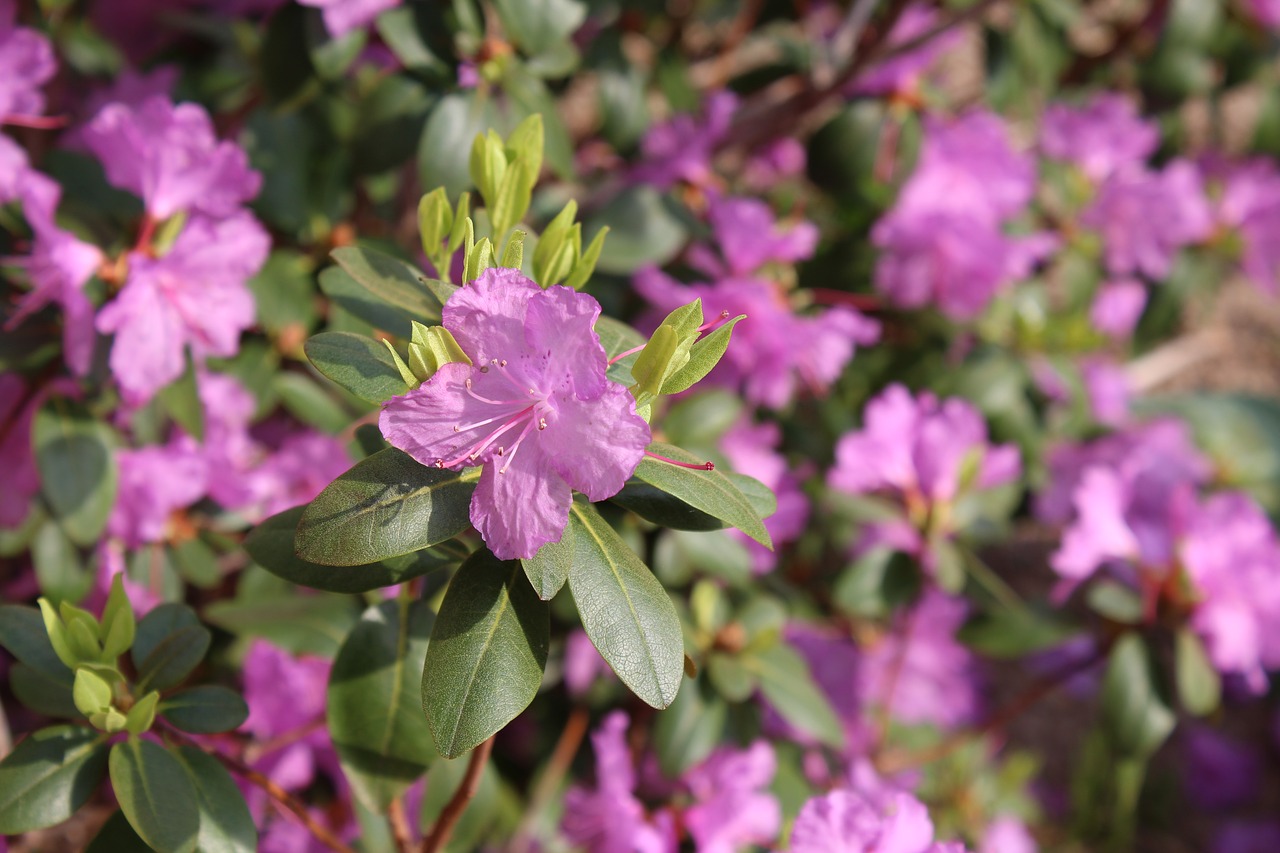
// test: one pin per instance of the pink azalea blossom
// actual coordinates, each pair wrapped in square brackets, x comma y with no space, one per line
[775,352]
[732,808]
[850,821]
[1248,836]
[1100,137]
[1250,206]
[1007,834]
[1107,389]
[902,74]
[1266,12]
[1145,217]
[583,665]
[343,16]
[155,482]
[779,160]
[26,63]
[1117,307]
[752,450]
[749,237]
[195,295]
[608,818]
[681,148]
[534,407]
[171,157]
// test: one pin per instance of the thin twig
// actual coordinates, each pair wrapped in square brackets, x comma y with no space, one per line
[322,833]
[895,762]
[400,826]
[452,813]
[557,766]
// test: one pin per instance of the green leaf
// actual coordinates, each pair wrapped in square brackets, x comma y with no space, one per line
[732,677]
[1199,685]
[488,647]
[119,626]
[586,264]
[205,709]
[284,293]
[48,776]
[90,691]
[301,624]
[43,691]
[156,795]
[709,491]
[1009,633]
[687,731]
[1135,712]
[174,658]
[538,25]
[374,711]
[785,681]
[309,403]
[1115,601]
[445,145]
[704,355]
[385,506]
[664,353]
[116,836]
[180,400]
[641,231]
[143,714]
[159,623]
[58,566]
[653,504]
[23,634]
[348,294]
[392,280]
[225,823]
[625,611]
[77,468]
[548,569]
[270,545]
[617,337]
[359,364]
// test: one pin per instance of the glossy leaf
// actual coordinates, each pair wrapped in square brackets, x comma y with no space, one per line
[348,294]
[709,491]
[271,545]
[385,506]
[159,623]
[156,795]
[625,611]
[78,475]
[488,647]
[48,776]
[358,364]
[226,826]
[374,703]
[205,709]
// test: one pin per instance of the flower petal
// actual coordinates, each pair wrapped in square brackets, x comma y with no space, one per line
[595,445]
[560,322]
[486,317]
[521,508]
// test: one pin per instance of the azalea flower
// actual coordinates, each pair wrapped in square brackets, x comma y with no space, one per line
[534,407]
[1100,137]
[26,64]
[343,16]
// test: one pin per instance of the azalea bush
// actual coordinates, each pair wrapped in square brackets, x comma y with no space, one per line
[632,426]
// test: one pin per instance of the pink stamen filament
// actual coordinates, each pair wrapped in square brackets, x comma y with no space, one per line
[488,421]
[476,396]
[483,444]
[697,466]
[36,122]
[512,455]
[724,315]
[620,356]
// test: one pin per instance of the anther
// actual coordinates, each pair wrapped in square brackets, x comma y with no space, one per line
[484,369]
[542,423]
[502,363]
[501,450]
[439,463]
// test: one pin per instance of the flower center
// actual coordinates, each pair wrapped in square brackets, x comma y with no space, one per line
[529,412]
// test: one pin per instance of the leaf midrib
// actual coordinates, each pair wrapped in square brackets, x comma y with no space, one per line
[504,602]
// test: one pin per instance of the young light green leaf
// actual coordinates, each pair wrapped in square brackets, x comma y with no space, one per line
[527,141]
[143,714]
[358,364]
[488,165]
[552,245]
[91,692]
[406,373]
[460,226]
[625,611]
[709,491]
[59,636]
[49,775]
[431,348]
[435,221]
[515,193]
[513,254]
[118,624]
[1135,712]
[385,506]
[156,795]
[660,356]
[587,261]
[1199,684]
[488,647]
[373,706]
[704,355]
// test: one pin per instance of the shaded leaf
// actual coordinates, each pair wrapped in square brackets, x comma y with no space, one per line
[156,795]
[48,776]
[785,681]
[77,466]
[225,823]
[205,709]
[390,279]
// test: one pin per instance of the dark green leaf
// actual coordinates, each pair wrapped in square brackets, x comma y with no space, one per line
[689,729]
[116,836]
[625,611]
[156,795]
[653,504]
[225,823]
[174,658]
[1199,685]
[392,280]
[23,634]
[488,647]
[1135,711]
[206,709]
[270,544]
[159,623]
[302,624]
[709,491]
[785,681]
[389,120]
[548,569]
[77,468]
[284,293]
[385,506]
[641,231]
[309,403]
[58,566]
[374,706]
[348,294]
[180,400]
[48,776]
[44,691]
[1007,633]
[361,365]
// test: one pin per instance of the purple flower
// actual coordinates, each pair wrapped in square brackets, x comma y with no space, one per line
[1107,388]
[902,74]
[286,694]
[59,266]
[155,482]
[1117,306]
[1218,772]
[1266,12]
[343,16]
[1145,217]
[171,157]
[847,821]
[752,450]
[732,808]
[196,294]
[781,159]
[1250,205]
[775,351]
[923,449]
[609,818]
[22,480]
[26,64]
[1007,835]
[749,237]
[15,170]
[583,664]
[1100,137]
[534,407]
[1254,836]
[681,148]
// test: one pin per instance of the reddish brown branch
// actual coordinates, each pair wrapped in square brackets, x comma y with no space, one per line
[400,826]
[575,728]
[452,813]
